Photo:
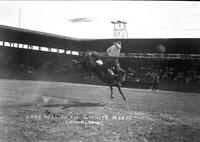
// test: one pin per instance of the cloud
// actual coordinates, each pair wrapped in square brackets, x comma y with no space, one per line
[77,20]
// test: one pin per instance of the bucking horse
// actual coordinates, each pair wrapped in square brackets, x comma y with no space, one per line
[92,63]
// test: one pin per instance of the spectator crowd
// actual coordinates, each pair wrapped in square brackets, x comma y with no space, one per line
[61,66]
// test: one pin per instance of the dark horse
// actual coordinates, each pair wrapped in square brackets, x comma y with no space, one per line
[93,64]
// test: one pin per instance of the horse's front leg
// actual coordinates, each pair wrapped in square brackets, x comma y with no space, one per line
[111,90]
[120,91]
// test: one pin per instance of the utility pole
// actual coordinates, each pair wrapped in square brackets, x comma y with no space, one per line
[19,17]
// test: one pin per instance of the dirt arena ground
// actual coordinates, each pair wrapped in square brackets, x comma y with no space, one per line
[39,111]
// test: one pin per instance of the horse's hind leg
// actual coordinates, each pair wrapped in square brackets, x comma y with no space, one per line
[111,89]
[118,86]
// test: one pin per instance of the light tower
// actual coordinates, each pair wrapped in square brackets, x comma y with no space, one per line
[119,29]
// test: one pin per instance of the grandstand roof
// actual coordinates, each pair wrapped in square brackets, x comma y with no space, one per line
[24,36]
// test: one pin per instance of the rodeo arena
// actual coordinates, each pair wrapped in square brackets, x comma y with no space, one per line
[55,88]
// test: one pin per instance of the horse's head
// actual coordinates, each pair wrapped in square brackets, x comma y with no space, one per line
[92,55]
[91,58]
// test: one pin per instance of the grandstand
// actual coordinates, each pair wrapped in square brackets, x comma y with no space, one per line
[27,54]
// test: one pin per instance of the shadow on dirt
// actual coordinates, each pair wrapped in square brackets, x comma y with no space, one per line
[75,104]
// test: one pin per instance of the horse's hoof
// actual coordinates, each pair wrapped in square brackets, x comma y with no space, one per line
[111,97]
[124,99]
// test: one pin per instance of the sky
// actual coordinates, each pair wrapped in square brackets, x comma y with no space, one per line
[92,19]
